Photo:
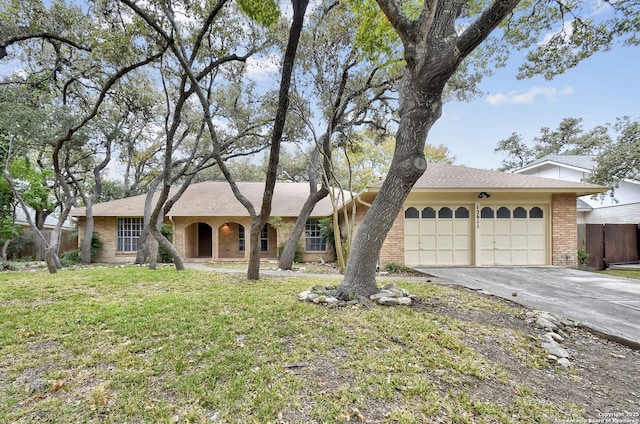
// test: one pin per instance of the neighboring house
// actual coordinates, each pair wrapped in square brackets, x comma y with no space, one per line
[620,207]
[50,222]
[453,216]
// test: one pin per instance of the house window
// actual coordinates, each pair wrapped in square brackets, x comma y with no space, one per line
[503,213]
[520,213]
[313,240]
[264,239]
[411,213]
[462,212]
[128,233]
[445,213]
[428,213]
[536,212]
[241,242]
[486,213]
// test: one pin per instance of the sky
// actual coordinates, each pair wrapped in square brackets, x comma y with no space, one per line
[599,90]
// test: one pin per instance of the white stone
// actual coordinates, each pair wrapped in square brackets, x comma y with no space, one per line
[330,300]
[555,349]
[388,301]
[557,337]
[564,362]
[380,295]
[304,295]
[542,322]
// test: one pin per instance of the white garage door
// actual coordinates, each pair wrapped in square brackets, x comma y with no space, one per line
[437,235]
[512,235]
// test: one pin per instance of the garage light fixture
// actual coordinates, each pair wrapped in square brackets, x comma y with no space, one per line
[483,194]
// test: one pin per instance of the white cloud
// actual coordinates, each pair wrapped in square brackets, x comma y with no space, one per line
[261,68]
[528,97]
[566,33]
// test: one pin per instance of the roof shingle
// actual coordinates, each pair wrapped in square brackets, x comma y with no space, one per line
[459,178]
[215,198]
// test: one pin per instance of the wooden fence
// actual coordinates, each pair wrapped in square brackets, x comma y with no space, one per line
[609,243]
[32,246]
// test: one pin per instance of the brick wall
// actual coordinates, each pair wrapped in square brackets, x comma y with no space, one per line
[105,227]
[564,231]
[393,247]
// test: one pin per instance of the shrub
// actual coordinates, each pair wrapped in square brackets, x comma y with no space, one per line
[70,257]
[163,254]
[297,257]
[583,258]
[396,268]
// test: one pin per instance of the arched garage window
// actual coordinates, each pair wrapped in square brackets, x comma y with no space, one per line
[428,213]
[536,212]
[520,213]
[445,212]
[411,213]
[462,212]
[486,212]
[503,213]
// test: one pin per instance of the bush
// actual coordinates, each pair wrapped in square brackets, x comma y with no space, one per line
[395,268]
[163,254]
[96,245]
[583,258]
[297,257]
[70,257]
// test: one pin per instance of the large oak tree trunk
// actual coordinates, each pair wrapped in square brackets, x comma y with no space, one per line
[418,111]
[433,50]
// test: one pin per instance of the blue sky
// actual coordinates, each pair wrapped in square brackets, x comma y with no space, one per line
[598,90]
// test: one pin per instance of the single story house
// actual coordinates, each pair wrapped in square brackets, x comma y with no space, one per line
[454,216]
[619,207]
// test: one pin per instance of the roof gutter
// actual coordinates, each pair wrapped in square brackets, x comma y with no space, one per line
[362,202]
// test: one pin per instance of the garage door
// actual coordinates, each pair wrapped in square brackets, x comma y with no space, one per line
[512,235]
[437,235]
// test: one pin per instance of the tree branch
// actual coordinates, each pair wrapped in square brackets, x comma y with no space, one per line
[44,35]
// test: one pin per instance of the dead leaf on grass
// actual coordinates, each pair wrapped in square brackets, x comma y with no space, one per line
[57,385]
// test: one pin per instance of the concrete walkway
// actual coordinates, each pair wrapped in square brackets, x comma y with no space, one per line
[605,304]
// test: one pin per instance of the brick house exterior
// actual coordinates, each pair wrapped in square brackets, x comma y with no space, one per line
[453,216]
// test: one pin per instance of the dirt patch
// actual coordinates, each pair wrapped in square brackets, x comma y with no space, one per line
[604,377]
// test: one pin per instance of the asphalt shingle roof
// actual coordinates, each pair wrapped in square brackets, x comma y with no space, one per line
[585,162]
[440,177]
[215,198]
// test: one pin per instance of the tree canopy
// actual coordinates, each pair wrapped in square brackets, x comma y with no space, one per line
[615,147]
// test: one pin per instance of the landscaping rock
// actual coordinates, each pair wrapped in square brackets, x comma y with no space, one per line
[391,301]
[389,294]
[553,348]
[564,362]
[545,324]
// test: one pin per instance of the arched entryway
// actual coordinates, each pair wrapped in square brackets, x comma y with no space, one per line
[199,240]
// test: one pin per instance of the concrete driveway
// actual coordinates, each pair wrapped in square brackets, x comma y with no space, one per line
[609,305]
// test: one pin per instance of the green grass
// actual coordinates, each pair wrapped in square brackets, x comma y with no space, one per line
[622,273]
[134,345]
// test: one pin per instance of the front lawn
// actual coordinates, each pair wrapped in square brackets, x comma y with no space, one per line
[127,344]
